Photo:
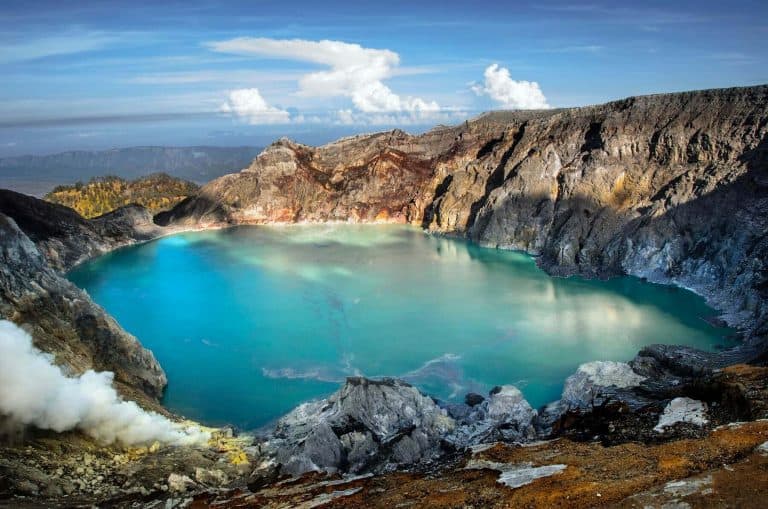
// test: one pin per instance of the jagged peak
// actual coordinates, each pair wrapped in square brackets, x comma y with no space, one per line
[285,141]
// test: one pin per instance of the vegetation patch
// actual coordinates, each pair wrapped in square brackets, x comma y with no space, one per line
[101,195]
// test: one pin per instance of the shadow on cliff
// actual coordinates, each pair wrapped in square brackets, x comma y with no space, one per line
[39,219]
[191,210]
[715,243]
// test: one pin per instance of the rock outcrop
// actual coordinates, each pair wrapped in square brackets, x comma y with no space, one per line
[382,425]
[585,388]
[504,416]
[37,239]
[368,425]
[685,410]
[65,238]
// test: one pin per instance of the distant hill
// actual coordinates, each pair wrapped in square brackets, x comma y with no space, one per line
[37,175]
[104,194]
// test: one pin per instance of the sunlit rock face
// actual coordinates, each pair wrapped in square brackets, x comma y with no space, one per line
[367,178]
[583,388]
[637,186]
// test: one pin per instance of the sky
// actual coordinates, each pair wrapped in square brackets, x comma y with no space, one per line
[103,74]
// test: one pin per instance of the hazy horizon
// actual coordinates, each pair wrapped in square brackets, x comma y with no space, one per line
[113,74]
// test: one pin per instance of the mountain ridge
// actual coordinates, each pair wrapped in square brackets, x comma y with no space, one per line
[38,174]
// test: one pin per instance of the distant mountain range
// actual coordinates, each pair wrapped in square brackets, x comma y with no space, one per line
[37,175]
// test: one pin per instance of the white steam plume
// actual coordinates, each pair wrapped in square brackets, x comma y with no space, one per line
[34,391]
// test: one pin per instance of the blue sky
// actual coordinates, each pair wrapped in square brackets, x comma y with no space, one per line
[92,75]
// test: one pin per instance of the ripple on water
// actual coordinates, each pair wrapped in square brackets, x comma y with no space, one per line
[251,321]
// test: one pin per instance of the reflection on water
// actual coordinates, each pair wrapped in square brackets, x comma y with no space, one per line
[249,322]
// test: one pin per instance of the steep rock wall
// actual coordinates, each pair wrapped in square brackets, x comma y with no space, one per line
[37,241]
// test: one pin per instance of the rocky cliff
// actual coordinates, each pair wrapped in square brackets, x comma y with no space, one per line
[37,241]
[673,188]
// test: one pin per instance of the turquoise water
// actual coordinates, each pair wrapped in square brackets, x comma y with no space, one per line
[248,322]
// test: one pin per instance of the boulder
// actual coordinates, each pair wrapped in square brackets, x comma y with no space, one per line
[504,416]
[368,425]
[682,410]
[179,483]
[585,388]
[473,399]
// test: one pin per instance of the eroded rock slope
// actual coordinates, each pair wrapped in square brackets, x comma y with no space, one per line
[37,241]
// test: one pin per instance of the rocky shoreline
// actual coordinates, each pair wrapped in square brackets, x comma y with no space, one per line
[673,188]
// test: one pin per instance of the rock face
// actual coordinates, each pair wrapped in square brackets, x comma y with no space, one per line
[670,187]
[504,416]
[61,318]
[367,425]
[584,388]
[65,238]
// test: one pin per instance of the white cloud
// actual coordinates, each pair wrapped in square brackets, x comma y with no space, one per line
[248,104]
[345,117]
[511,94]
[355,72]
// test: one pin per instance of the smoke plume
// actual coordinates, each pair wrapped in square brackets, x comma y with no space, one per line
[34,391]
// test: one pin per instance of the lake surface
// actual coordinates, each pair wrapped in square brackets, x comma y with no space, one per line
[248,322]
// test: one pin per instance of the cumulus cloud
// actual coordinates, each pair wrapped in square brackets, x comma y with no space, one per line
[34,391]
[248,104]
[353,71]
[511,94]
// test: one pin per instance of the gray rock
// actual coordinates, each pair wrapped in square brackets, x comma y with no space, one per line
[360,449]
[323,447]
[504,416]
[211,477]
[179,483]
[366,425]
[682,410]
[266,473]
[584,388]
[473,399]
[515,475]
[457,411]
